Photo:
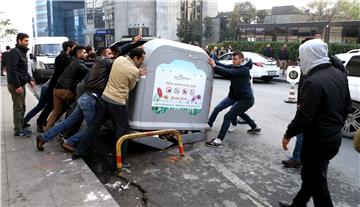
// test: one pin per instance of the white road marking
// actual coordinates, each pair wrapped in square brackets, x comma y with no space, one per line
[252,194]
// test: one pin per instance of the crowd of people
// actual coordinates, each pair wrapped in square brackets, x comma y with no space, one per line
[94,86]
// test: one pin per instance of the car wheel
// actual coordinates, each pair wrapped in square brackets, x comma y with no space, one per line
[352,123]
[267,79]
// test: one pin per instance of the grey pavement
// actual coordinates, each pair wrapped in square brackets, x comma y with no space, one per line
[48,178]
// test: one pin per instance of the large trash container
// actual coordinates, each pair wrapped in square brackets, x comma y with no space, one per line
[177,91]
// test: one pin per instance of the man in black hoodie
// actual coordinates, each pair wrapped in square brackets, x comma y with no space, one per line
[240,92]
[61,62]
[17,77]
[65,89]
[324,103]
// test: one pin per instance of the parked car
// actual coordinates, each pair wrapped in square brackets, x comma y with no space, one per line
[353,51]
[352,64]
[263,68]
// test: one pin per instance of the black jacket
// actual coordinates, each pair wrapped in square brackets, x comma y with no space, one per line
[240,87]
[61,62]
[17,65]
[324,103]
[98,76]
[4,58]
[72,75]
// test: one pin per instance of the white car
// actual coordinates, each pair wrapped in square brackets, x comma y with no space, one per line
[352,64]
[263,68]
[353,51]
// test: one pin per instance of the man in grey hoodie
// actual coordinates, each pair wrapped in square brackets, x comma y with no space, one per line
[324,104]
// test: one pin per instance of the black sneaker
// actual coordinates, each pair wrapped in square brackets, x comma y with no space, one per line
[24,133]
[40,128]
[75,156]
[26,125]
[213,144]
[291,163]
[254,130]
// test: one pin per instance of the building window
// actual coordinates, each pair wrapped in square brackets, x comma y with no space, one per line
[269,34]
[144,31]
[293,34]
[335,34]
[350,34]
[260,32]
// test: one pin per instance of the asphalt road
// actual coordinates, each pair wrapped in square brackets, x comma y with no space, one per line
[245,171]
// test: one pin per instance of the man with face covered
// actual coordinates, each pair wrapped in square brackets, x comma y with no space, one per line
[324,103]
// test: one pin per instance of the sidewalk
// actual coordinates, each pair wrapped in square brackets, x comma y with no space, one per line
[48,178]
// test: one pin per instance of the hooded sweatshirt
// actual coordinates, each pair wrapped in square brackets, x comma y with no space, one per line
[312,53]
[324,99]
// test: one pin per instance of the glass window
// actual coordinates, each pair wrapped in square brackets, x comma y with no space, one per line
[354,66]
[250,33]
[269,34]
[350,34]
[260,32]
[335,34]
[293,34]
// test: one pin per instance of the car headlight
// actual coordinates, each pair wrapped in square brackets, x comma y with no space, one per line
[293,75]
[40,65]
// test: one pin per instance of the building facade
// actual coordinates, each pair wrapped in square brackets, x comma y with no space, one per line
[155,18]
[340,31]
[60,18]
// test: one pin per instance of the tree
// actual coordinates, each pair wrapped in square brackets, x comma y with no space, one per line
[325,10]
[247,11]
[261,14]
[208,27]
[183,29]
[6,31]
[189,31]
[195,31]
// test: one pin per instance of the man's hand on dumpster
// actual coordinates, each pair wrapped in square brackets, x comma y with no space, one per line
[136,39]
[211,62]
[143,71]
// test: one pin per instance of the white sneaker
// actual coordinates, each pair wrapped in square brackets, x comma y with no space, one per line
[232,128]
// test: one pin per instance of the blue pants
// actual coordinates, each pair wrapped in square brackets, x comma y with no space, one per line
[85,109]
[41,104]
[238,109]
[298,145]
[226,102]
[120,119]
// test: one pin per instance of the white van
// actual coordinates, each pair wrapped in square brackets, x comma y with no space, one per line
[43,54]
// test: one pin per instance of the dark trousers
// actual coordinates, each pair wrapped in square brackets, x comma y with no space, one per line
[315,159]
[40,106]
[19,107]
[49,99]
[226,102]
[238,109]
[119,117]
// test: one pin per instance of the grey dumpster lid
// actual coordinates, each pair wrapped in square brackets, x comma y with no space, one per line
[154,44]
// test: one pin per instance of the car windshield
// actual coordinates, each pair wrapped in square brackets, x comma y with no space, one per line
[48,49]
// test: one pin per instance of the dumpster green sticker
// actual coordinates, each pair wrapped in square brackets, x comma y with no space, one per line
[179,85]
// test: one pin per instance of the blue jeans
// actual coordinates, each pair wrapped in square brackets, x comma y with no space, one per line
[238,109]
[226,102]
[41,104]
[120,119]
[298,145]
[85,109]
